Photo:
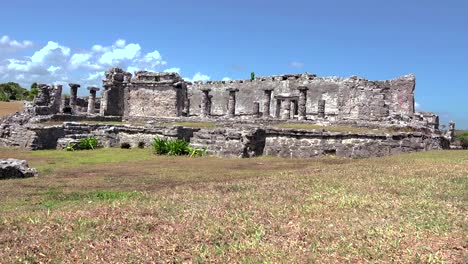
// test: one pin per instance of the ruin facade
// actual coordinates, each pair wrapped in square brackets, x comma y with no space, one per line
[246,114]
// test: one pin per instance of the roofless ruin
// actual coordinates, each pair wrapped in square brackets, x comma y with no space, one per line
[248,117]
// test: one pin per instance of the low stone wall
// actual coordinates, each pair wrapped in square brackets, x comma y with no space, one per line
[241,140]
[230,142]
[305,144]
[296,143]
[115,135]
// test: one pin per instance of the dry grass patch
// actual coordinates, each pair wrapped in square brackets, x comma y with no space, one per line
[7,108]
[114,205]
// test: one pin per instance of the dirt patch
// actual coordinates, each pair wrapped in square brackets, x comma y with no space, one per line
[7,108]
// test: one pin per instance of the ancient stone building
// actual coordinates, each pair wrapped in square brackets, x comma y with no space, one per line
[246,115]
[299,96]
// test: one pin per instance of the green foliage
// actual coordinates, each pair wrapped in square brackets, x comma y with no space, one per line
[13,91]
[160,146]
[34,91]
[88,143]
[463,138]
[175,147]
[84,144]
[252,76]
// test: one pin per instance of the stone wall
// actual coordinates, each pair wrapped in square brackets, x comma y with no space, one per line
[306,144]
[155,95]
[293,143]
[345,98]
[115,135]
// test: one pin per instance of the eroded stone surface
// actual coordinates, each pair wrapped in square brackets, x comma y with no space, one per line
[14,168]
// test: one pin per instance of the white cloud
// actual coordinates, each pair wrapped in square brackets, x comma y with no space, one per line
[51,50]
[120,43]
[117,56]
[79,58]
[226,79]
[11,45]
[198,77]
[53,69]
[296,64]
[172,70]
[58,64]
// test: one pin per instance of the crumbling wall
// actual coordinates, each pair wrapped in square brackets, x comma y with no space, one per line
[113,95]
[345,98]
[155,95]
[48,100]
[305,144]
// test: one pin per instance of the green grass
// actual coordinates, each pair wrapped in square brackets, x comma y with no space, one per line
[118,205]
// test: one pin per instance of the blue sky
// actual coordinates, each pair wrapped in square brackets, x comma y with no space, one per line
[75,41]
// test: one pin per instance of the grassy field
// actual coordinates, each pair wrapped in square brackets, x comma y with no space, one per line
[7,108]
[129,206]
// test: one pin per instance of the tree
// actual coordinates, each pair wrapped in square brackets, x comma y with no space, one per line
[13,91]
[252,76]
[34,91]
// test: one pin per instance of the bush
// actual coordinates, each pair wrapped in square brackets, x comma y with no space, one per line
[463,138]
[175,147]
[88,143]
[252,76]
[84,144]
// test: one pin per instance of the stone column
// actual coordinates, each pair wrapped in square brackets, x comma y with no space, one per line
[43,95]
[267,102]
[321,108]
[92,99]
[205,103]
[293,108]
[73,95]
[285,109]
[256,109]
[451,131]
[302,110]
[232,101]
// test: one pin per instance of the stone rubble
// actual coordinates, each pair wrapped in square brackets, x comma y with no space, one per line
[14,168]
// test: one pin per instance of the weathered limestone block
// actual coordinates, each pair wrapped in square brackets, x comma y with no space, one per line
[14,168]
[73,95]
[256,110]
[232,101]
[285,109]
[451,132]
[321,108]
[113,95]
[302,108]
[92,99]
[205,103]
[267,102]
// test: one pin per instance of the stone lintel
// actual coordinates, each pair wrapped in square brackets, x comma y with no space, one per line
[205,89]
[93,88]
[74,85]
[268,89]
[232,89]
[287,97]
[303,88]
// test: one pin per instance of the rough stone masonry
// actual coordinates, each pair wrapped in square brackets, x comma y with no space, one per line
[247,110]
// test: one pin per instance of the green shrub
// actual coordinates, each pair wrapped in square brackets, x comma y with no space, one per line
[252,76]
[175,147]
[463,138]
[160,146]
[88,143]
[84,144]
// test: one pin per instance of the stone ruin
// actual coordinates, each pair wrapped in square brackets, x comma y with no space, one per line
[247,110]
